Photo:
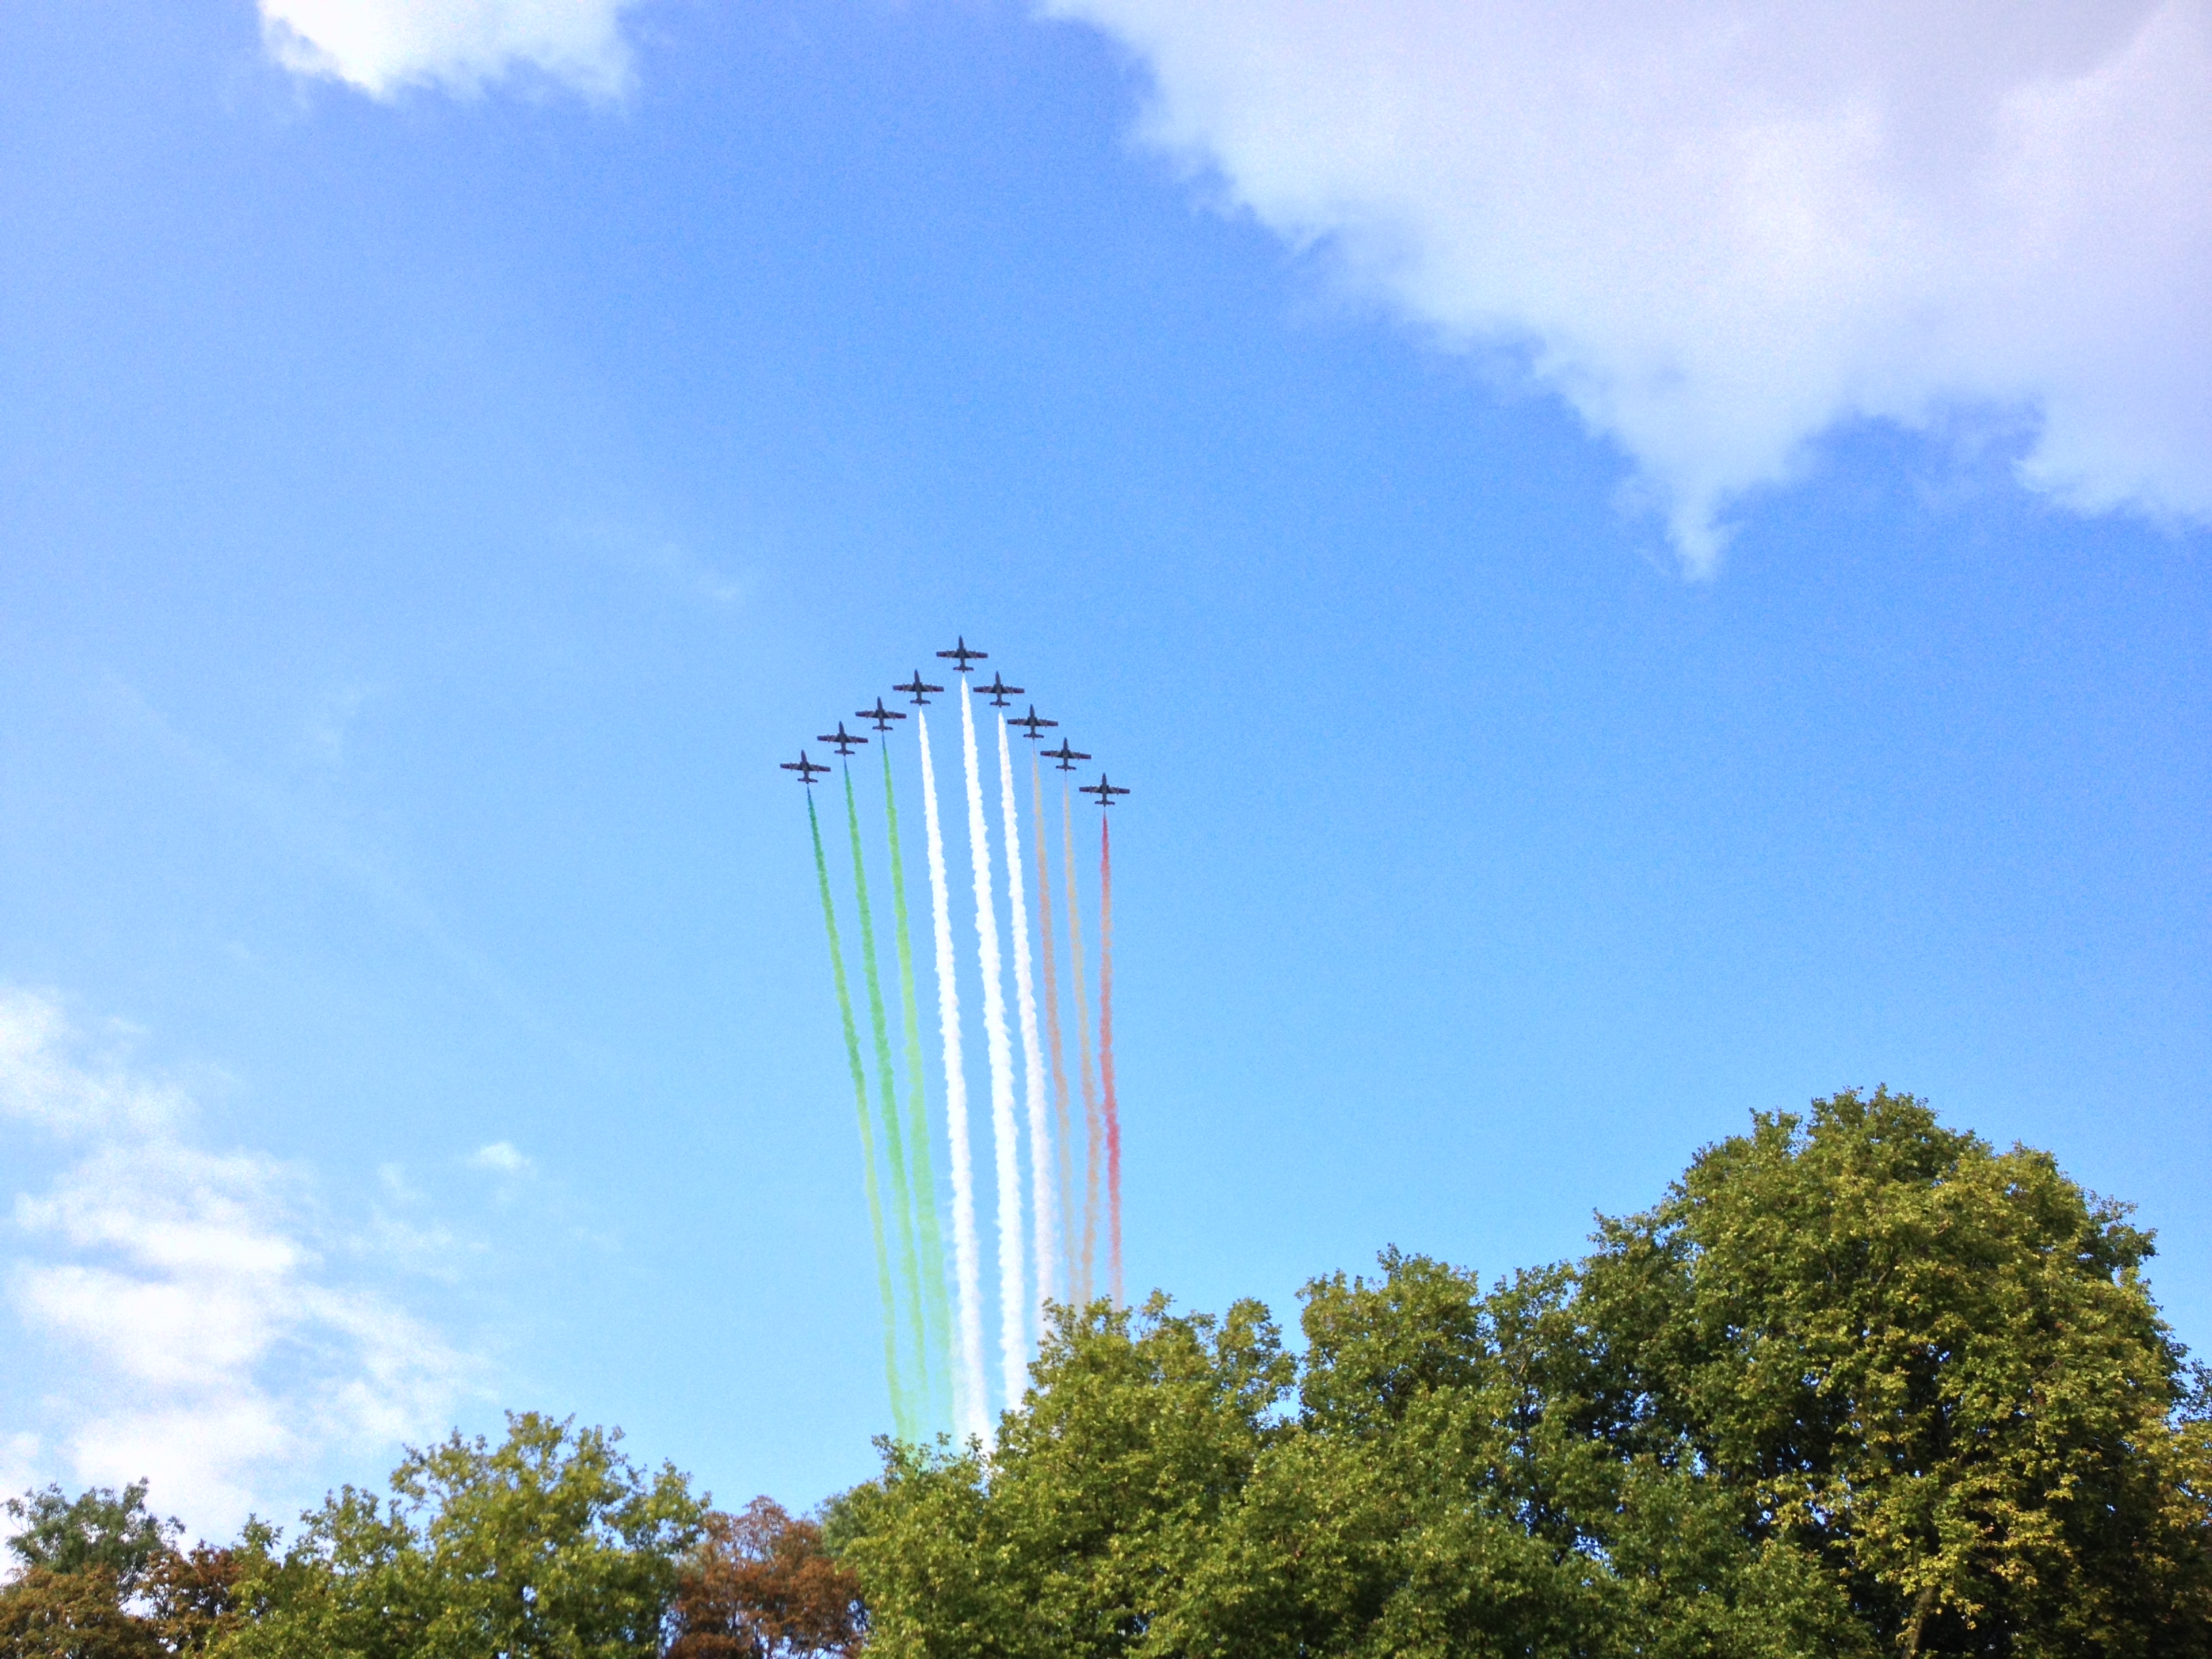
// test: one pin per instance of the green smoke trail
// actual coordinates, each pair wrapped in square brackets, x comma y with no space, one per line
[887,1103]
[901,1412]
[936,1306]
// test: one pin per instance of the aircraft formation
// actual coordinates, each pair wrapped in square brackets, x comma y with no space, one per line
[1028,906]
[1000,694]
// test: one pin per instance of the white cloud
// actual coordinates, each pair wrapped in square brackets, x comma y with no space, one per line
[213,1349]
[502,1157]
[1719,229]
[382,45]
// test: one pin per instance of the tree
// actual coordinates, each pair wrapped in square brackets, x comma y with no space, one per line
[761,1585]
[101,1527]
[551,1546]
[1858,1385]
[88,1561]
[1097,1501]
[1933,1363]
[78,1614]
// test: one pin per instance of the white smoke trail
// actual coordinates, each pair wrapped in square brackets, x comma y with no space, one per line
[1013,1322]
[971,1405]
[1044,1216]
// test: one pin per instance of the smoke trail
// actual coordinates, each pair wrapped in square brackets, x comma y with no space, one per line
[971,1394]
[1045,1220]
[1093,1152]
[1013,1342]
[900,1416]
[1067,1278]
[887,1096]
[1106,1049]
[936,1319]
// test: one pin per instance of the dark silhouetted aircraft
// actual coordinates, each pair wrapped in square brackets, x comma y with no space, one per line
[805,768]
[843,742]
[1032,722]
[961,656]
[1103,790]
[1000,692]
[882,716]
[917,685]
[1065,757]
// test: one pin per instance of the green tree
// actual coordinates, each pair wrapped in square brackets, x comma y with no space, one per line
[1101,1495]
[1858,1385]
[551,1546]
[1933,1363]
[101,1527]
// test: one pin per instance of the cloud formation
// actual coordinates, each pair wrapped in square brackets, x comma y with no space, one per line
[1720,228]
[383,46]
[210,1344]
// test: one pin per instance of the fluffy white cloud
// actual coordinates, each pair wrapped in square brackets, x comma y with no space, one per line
[381,46]
[1720,228]
[211,1344]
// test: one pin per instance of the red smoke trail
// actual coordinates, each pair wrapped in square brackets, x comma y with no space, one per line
[1106,1055]
[1092,1133]
[1069,1282]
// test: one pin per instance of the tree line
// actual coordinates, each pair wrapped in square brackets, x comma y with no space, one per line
[1859,1384]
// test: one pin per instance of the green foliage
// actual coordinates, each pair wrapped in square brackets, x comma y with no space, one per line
[1859,1385]
[551,1546]
[1934,1365]
[102,1528]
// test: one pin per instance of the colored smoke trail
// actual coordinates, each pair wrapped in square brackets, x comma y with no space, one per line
[1067,1276]
[971,1394]
[887,1097]
[1043,1210]
[1106,1046]
[935,1315]
[1013,1343]
[1093,1152]
[901,1413]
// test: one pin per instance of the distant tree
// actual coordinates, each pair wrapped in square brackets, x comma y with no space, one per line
[551,1546]
[760,1585]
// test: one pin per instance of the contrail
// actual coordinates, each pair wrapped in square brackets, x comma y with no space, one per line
[971,1402]
[1043,1210]
[935,1315]
[1106,1049]
[1068,1280]
[1013,1344]
[887,1093]
[900,1415]
[1093,1153]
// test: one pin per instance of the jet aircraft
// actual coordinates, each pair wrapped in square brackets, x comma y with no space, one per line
[1034,721]
[1103,790]
[843,742]
[1065,756]
[1000,692]
[961,656]
[882,716]
[805,768]
[917,686]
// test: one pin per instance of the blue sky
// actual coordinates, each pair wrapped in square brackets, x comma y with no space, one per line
[1573,703]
